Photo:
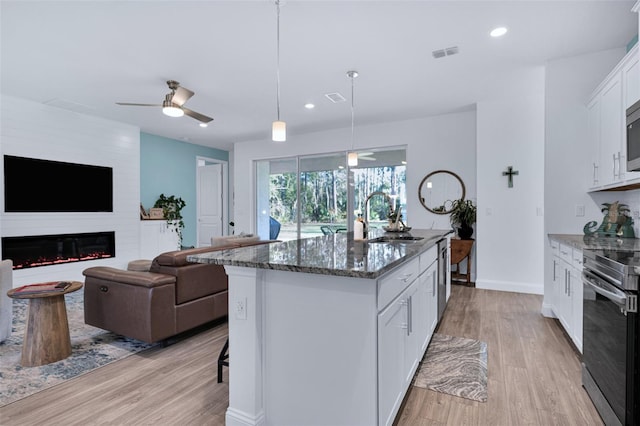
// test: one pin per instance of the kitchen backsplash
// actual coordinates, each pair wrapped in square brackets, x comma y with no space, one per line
[630,198]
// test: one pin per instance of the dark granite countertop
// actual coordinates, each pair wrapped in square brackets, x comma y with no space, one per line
[584,242]
[336,254]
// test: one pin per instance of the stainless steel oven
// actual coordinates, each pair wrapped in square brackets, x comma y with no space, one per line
[610,334]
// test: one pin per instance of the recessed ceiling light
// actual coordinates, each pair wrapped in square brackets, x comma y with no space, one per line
[498,32]
[204,125]
[309,106]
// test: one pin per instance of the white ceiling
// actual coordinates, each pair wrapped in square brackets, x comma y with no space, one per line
[90,54]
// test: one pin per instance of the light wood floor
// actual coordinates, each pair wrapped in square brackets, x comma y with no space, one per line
[534,378]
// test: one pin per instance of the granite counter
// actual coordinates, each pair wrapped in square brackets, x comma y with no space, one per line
[591,242]
[337,254]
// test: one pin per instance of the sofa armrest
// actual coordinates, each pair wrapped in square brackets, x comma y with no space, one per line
[143,279]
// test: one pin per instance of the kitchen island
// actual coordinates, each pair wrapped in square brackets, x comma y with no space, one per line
[328,330]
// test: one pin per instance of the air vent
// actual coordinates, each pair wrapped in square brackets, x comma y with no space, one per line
[69,105]
[441,53]
[335,97]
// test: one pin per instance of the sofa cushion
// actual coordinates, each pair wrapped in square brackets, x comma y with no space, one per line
[140,265]
[195,280]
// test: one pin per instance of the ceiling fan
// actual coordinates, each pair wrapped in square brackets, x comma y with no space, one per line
[173,104]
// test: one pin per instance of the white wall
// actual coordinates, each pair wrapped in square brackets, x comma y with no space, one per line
[441,142]
[510,222]
[569,84]
[30,129]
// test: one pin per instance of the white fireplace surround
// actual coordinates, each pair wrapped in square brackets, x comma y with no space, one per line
[30,129]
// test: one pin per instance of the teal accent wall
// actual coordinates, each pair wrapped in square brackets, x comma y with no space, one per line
[632,43]
[168,166]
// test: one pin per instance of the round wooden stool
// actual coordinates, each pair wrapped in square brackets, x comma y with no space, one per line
[46,335]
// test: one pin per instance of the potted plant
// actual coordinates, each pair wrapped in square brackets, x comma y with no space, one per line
[172,210]
[463,216]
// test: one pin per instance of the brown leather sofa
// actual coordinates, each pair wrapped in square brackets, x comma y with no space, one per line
[172,297]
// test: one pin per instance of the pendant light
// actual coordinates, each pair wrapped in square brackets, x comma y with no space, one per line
[278,128]
[352,157]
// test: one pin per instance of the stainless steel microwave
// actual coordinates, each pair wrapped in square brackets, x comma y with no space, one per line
[633,137]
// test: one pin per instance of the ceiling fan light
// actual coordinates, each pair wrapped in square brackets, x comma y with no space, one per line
[279,131]
[171,110]
[352,159]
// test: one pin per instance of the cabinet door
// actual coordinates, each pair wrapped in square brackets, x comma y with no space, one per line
[631,94]
[415,298]
[593,142]
[430,280]
[557,285]
[611,116]
[392,337]
[422,313]
[631,77]
[565,308]
[155,238]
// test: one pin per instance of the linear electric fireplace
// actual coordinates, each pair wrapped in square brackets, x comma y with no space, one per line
[44,250]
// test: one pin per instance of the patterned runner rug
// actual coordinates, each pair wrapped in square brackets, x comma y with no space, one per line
[91,348]
[455,366]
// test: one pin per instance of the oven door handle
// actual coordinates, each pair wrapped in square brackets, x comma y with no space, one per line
[604,289]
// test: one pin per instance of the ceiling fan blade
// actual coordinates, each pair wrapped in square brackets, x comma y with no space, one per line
[181,96]
[200,117]
[127,103]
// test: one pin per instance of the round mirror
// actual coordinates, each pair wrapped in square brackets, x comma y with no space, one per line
[439,189]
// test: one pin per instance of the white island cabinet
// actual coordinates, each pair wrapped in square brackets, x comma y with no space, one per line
[327,330]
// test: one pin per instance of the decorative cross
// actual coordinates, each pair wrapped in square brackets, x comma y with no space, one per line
[510,173]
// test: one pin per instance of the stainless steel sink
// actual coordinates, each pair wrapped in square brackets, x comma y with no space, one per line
[396,239]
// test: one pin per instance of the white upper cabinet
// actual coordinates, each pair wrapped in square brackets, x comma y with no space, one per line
[611,131]
[593,143]
[606,115]
[630,73]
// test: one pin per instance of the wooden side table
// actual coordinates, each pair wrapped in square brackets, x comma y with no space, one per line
[46,335]
[460,250]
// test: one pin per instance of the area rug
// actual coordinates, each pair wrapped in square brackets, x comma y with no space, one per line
[91,348]
[455,366]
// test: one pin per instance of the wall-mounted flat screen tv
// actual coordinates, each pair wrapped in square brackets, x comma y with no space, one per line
[35,185]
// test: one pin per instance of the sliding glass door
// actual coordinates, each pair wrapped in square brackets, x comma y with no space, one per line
[307,196]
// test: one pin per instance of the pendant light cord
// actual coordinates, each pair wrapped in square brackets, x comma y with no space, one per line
[352,113]
[278,57]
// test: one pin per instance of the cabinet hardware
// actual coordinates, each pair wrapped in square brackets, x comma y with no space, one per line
[409,315]
[632,304]
[595,174]
[434,284]
[405,277]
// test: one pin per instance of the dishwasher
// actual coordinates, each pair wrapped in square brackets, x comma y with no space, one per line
[443,263]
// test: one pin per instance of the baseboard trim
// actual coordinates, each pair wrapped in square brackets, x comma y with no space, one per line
[547,311]
[234,417]
[514,287]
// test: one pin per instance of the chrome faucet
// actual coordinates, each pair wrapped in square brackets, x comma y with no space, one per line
[385,195]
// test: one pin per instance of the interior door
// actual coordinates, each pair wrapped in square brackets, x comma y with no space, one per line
[209,203]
